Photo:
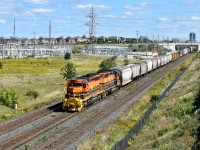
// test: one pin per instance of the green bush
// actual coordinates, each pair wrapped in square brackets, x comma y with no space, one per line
[32,93]
[108,63]
[154,98]
[67,56]
[126,61]
[68,71]
[9,97]
[1,65]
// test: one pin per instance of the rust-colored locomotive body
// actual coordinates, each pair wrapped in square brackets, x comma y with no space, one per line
[88,89]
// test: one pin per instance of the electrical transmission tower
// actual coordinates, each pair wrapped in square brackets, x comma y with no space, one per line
[92,29]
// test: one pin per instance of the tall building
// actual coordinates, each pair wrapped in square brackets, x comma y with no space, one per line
[192,37]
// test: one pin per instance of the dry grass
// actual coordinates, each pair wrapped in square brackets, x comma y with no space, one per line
[173,125]
[41,75]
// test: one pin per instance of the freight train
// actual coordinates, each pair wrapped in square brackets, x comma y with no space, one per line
[86,90]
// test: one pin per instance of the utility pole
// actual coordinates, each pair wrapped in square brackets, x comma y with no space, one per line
[92,28]
[153,41]
[2,47]
[163,39]
[14,31]
[34,42]
[146,45]
[50,34]
[137,42]
[168,43]
[158,38]
[13,40]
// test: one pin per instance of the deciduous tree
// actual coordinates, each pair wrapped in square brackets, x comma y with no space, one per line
[68,71]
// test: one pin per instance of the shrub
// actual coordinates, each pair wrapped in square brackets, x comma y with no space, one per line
[67,56]
[108,63]
[9,97]
[49,61]
[76,50]
[1,65]
[68,71]
[32,93]
[154,98]
[126,61]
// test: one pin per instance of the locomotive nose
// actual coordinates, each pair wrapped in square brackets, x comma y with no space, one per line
[75,89]
[72,104]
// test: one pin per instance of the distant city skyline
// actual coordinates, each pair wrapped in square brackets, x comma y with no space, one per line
[155,19]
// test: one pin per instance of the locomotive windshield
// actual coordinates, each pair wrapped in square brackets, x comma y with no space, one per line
[76,84]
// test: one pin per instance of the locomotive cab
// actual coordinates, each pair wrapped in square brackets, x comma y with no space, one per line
[74,95]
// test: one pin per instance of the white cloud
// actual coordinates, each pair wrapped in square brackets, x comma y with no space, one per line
[90,5]
[28,13]
[38,2]
[42,10]
[116,17]
[128,13]
[111,16]
[2,21]
[195,18]
[163,19]
[60,21]
[140,6]
[7,1]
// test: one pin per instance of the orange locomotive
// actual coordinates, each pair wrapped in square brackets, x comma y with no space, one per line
[86,90]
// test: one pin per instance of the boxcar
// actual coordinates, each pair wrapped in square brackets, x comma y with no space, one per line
[125,74]
[155,63]
[181,53]
[149,65]
[165,58]
[143,67]
[170,57]
[162,59]
[135,70]
[175,55]
[185,51]
[158,61]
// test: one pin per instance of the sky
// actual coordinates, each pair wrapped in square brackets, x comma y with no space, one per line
[122,18]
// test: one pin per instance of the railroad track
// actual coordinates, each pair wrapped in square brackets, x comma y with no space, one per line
[75,132]
[28,119]
[36,131]
[61,141]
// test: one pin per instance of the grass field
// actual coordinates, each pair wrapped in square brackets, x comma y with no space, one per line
[43,76]
[175,123]
[160,125]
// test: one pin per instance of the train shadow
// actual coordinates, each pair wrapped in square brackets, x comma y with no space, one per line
[56,107]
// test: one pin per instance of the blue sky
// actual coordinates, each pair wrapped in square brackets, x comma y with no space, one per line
[168,18]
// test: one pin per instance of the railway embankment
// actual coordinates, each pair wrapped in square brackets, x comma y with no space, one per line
[120,127]
[175,124]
